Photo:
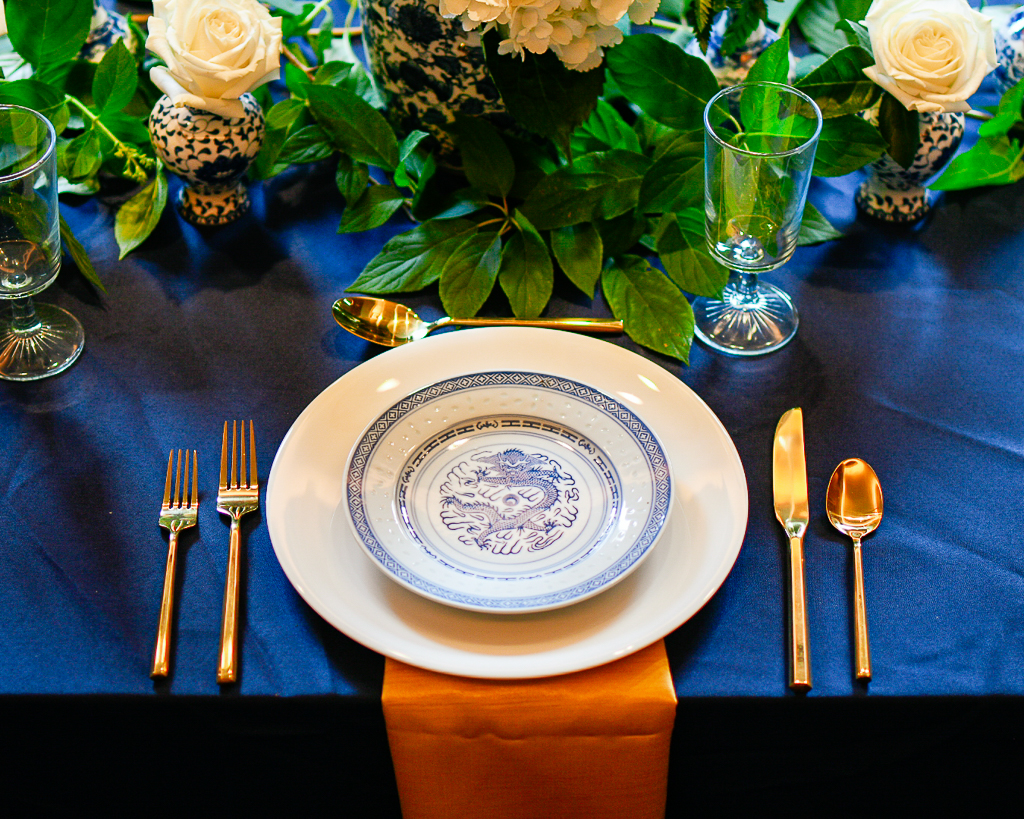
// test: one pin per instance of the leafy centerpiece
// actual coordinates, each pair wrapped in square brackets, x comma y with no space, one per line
[601,183]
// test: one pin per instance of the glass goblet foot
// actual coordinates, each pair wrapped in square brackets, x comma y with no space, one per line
[752,318]
[37,341]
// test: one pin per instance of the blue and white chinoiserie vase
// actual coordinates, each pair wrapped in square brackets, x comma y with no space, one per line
[893,193]
[732,69]
[508,492]
[428,68]
[106,28]
[211,153]
[1009,37]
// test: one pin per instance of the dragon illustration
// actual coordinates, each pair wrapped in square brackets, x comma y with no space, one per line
[509,500]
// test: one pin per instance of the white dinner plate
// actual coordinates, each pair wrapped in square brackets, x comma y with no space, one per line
[319,553]
[508,491]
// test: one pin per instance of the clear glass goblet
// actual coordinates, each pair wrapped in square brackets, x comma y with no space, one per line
[35,340]
[759,144]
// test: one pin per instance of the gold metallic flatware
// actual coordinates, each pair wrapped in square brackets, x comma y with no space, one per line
[391,324]
[854,505]
[237,495]
[790,487]
[176,513]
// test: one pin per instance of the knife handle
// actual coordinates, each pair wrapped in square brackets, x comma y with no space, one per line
[799,644]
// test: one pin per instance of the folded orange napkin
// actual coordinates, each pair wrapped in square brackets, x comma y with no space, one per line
[591,744]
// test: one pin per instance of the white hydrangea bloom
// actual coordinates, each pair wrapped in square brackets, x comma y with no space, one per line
[576,31]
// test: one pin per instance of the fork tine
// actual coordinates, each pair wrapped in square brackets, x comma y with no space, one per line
[177,482]
[233,483]
[243,480]
[253,478]
[195,483]
[224,459]
[167,484]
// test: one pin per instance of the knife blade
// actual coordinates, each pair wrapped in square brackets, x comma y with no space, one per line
[789,480]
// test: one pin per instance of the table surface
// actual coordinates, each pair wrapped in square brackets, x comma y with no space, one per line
[909,355]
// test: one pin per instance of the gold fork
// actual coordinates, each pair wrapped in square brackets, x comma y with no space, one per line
[176,514]
[237,496]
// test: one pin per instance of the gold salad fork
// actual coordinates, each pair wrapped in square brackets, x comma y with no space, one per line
[177,513]
[236,496]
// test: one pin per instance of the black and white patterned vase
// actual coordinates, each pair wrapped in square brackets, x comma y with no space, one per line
[107,27]
[893,193]
[211,153]
[428,68]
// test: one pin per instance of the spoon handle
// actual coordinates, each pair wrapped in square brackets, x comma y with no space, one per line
[860,614]
[583,325]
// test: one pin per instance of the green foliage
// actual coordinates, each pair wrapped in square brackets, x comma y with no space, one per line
[98,111]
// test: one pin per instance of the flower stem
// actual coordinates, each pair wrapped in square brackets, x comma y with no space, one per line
[314,13]
[132,155]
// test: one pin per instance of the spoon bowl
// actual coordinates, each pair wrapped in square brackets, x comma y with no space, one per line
[854,504]
[391,324]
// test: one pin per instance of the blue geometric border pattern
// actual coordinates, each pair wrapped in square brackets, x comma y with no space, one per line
[654,456]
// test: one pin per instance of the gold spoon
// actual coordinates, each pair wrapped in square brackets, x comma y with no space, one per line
[385,322]
[854,504]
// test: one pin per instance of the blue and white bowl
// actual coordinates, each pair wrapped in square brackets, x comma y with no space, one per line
[508,492]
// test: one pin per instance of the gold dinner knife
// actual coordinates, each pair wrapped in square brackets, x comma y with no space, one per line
[789,478]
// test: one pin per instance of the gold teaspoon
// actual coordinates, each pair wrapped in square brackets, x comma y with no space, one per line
[854,505]
[390,324]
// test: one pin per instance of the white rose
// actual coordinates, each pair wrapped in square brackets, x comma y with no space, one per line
[215,51]
[930,54]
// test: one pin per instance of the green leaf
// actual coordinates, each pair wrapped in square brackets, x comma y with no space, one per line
[626,168]
[285,112]
[839,85]
[604,129]
[992,161]
[414,259]
[116,79]
[371,210]
[309,144]
[853,9]
[655,313]
[673,183]
[527,275]
[48,31]
[354,126]
[620,234]
[137,217]
[670,85]
[297,81]
[579,251]
[38,96]
[856,34]
[79,255]
[566,197]
[468,276]
[817,20]
[486,160]
[815,228]
[846,144]
[542,94]
[1008,114]
[81,157]
[325,35]
[781,12]
[772,65]
[351,177]
[683,251]
[598,186]
[900,129]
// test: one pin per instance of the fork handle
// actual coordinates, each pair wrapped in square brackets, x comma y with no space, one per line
[162,652]
[226,669]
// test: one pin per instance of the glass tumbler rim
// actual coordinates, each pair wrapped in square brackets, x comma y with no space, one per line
[44,156]
[811,140]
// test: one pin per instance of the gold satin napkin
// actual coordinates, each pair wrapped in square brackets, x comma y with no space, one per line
[593,744]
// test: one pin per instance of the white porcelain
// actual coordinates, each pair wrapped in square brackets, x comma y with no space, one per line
[320,555]
[508,491]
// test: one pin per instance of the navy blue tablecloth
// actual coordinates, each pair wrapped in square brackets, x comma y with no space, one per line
[910,354]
